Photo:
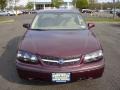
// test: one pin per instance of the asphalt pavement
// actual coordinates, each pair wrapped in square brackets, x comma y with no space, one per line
[10,33]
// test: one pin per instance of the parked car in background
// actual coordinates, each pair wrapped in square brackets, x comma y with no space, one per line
[15,12]
[66,7]
[4,13]
[101,10]
[11,12]
[25,12]
[118,14]
[116,10]
[33,11]
[19,12]
[29,11]
[87,11]
[59,47]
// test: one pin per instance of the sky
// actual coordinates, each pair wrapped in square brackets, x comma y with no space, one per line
[24,2]
[105,0]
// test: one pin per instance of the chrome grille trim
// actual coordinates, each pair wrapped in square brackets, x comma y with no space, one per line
[45,60]
[66,61]
[58,57]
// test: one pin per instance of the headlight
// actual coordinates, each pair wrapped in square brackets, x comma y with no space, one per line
[94,56]
[27,57]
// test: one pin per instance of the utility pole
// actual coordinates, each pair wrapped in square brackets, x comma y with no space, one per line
[101,6]
[54,3]
[34,5]
[75,3]
[114,9]
[8,4]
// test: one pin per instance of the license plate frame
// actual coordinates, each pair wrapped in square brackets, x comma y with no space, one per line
[61,77]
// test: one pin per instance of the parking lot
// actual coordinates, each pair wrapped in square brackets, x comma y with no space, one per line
[10,33]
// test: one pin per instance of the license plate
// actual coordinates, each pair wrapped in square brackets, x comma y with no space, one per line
[60,77]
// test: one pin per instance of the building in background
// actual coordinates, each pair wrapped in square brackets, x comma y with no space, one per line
[43,4]
[68,3]
[40,4]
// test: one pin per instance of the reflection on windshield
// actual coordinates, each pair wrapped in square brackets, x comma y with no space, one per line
[58,21]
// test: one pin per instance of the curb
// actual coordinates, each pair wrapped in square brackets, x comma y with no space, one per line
[7,21]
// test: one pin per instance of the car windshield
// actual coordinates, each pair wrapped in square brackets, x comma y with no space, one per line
[57,20]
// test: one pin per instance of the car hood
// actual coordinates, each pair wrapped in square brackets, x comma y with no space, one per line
[59,43]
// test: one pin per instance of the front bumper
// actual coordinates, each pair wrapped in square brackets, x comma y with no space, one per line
[45,74]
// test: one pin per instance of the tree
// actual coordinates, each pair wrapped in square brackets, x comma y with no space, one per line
[74,2]
[81,4]
[29,5]
[57,3]
[15,1]
[13,4]
[118,4]
[20,7]
[3,4]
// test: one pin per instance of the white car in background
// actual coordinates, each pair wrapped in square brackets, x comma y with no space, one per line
[7,13]
[4,13]
[15,12]
[11,12]
[19,12]
[116,10]
[66,7]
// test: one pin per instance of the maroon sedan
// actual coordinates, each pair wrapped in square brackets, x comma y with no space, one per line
[59,47]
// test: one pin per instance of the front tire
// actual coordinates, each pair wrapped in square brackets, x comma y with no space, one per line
[8,14]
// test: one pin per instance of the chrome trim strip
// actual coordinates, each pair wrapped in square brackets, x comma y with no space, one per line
[71,60]
[48,60]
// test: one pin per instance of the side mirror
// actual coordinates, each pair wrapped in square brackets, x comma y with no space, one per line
[26,26]
[91,25]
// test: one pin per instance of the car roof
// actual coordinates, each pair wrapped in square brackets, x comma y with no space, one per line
[59,11]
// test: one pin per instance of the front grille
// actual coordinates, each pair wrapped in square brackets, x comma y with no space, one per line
[60,61]
[65,64]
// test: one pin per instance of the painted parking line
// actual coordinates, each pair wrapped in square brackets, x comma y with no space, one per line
[7,21]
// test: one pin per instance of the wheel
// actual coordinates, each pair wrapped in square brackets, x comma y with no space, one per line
[8,14]
[119,15]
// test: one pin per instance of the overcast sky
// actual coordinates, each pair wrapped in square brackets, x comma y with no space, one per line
[105,0]
[23,2]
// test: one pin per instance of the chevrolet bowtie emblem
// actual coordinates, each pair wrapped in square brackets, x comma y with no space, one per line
[61,61]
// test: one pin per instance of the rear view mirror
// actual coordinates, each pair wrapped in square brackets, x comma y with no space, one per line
[26,26]
[91,25]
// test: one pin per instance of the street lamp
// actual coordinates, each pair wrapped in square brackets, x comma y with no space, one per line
[15,7]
